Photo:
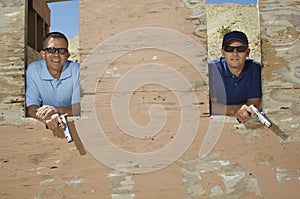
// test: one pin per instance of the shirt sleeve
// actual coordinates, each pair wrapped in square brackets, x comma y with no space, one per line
[216,84]
[76,86]
[32,95]
[256,81]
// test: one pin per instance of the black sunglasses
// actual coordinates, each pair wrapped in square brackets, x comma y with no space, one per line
[238,48]
[54,50]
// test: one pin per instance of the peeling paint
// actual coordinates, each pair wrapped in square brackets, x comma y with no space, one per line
[12,14]
[247,130]
[39,197]
[47,182]
[236,181]
[284,175]
[112,72]
[216,191]
[75,182]
[121,182]
[193,182]
[123,196]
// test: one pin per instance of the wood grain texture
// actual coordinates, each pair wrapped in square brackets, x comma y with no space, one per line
[280,58]
[12,56]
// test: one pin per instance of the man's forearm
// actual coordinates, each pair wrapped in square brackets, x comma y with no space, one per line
[222,109]
[72,110]
[31,111]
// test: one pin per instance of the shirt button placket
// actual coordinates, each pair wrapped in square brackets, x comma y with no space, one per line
[57,85]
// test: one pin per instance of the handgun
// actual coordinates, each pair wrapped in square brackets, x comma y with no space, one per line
[261,116]
[67,132]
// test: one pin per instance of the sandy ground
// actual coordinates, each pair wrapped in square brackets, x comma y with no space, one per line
[35,163]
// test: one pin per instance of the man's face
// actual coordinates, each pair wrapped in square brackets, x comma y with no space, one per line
[55,61]
[235,59]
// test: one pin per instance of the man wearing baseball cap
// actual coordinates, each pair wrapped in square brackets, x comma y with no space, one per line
[235,79]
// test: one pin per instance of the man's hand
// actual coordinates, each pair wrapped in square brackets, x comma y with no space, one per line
[45,112]
[244,114]
[55,122]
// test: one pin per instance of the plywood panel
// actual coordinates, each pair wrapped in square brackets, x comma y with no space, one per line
[12,79]
[280,58]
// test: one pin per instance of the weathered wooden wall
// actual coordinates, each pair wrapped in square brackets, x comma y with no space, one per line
[249,160]
[280,29]
[246,162]
[12,61]
[103,20]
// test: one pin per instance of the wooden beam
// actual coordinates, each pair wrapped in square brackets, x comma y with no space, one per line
[42,9]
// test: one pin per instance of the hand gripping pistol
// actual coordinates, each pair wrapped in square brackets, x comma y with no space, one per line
[261,116]
[67,132]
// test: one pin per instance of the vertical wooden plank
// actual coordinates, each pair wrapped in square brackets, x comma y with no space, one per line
[12,56]
[280,59]
[42,9]
[40,33]
[31,24]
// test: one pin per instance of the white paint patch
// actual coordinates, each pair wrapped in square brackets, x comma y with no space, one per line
[12,14]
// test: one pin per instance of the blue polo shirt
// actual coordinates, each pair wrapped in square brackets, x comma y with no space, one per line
[228,88]
[43,89]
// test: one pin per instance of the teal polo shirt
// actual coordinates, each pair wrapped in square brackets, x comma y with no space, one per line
[43,89]
[228,88]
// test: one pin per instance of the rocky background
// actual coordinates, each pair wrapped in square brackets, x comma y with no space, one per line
[222,17]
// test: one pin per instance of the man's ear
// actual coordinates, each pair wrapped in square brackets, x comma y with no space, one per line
[222,52]
[43,53]
[248,52]
[68,55]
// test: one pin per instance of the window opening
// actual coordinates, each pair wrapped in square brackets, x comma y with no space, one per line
[227,15]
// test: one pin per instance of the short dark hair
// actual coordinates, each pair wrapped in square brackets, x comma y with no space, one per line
[56,35]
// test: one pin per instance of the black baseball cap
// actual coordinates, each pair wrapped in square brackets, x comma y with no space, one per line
[235,35]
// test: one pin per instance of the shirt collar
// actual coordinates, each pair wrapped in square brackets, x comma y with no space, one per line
[227,72]
[45,75]
[66,71]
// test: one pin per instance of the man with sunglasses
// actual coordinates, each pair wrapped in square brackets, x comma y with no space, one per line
[235,79]
[53,83]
